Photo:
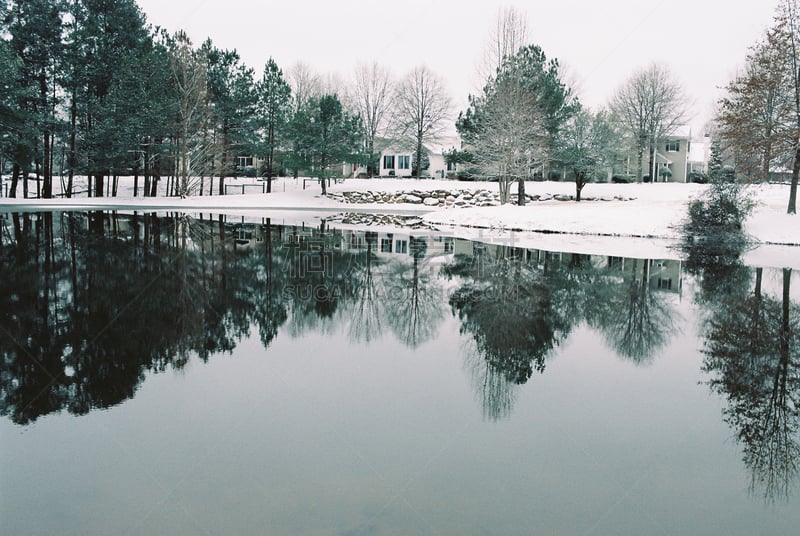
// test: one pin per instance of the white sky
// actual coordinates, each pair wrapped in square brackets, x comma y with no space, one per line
[601,43]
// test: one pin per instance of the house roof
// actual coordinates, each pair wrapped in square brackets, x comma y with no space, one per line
[681,131]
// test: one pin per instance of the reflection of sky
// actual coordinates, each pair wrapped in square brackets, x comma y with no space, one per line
[319,436]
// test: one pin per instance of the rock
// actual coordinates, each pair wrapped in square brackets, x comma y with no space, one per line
[431,201]
[413,199]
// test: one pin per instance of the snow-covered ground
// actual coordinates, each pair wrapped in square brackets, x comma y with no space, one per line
[648,221]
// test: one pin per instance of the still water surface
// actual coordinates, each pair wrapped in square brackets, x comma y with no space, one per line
[167,374]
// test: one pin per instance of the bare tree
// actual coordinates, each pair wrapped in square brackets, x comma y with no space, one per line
[422,108]
[506,134]
[650,105]
[751,116]
[189,74]
[788,15]
[372,100]
[507,36]
[305,84]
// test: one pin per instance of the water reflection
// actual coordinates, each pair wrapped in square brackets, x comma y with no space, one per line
[94,301]
[91,303]
[751,353]
[518,305]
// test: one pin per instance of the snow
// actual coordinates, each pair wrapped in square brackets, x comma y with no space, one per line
[644,226]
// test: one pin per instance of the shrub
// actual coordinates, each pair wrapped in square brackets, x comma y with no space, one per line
[697,177]
[621,179]
[723,208]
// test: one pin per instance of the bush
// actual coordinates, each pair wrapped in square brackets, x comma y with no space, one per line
[697,177]
[246,171]
[723,208]
[621,179]
[646,178]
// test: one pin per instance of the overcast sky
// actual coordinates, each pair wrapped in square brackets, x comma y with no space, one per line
[600,43]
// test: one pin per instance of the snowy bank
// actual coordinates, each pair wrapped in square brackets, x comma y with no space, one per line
[649,213]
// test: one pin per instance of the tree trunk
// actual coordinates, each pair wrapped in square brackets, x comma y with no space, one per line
[98,185]
[521,191]
[580,182]
[47,190]
[793,188]
[270,156]
[73,115]
[419,155]
[503,184]
[14,181]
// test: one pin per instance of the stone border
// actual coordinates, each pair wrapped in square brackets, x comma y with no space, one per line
[451,198]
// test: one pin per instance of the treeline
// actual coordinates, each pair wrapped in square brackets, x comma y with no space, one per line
[90,89]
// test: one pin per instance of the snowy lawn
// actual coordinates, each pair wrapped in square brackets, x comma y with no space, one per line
[654,211]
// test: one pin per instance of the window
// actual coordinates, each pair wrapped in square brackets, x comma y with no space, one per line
[665,284]
[403,162]
[244,161]
[401,246]
[388,161]
[451,166]
[673,146]
[386,245]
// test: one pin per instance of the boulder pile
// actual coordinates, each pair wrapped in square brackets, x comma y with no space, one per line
[450,198]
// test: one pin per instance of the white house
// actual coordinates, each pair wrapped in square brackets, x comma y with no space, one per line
[396,158]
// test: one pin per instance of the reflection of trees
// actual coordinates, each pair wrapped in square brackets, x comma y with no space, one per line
[270,312]
[636,322]
[506,308]
[318,274]
[414,301]
[752,351]
[367,312]
[90,303]
[716,259]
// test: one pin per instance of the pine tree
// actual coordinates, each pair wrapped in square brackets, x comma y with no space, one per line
[273,108]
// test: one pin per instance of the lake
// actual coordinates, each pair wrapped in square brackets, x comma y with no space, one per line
[169,373]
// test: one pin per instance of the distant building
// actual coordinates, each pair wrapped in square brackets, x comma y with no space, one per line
[397,157]
[671,159]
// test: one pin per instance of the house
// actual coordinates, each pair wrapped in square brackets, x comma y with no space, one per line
[671,159]
[397,156]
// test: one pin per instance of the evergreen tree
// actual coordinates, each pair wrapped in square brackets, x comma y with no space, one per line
[329,137]
[232,97]
[511,128]
[35,29]
[274,106]
[715,166]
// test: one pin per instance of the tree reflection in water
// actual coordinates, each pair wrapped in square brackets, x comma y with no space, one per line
[519,305]
[506,307]
[752,356]
[414,299]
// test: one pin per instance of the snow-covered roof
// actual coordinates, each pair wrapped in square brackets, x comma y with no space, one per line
[682,131]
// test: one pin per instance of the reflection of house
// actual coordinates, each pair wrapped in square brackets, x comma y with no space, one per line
[394,244]
[661,274]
